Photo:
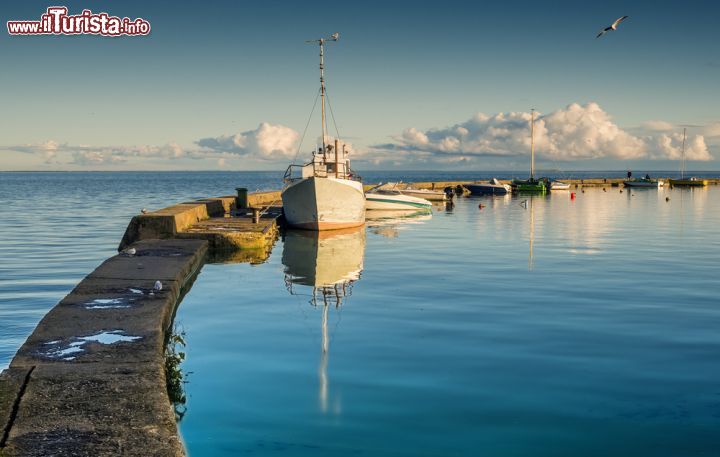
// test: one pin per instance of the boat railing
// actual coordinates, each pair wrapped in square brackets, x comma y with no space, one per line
[319,169]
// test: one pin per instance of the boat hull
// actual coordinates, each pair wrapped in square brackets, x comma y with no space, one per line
[485,189]
[529,186]
[652,184]
[318,203]
[430,195]
[559,186]
[378,202]
[688,182]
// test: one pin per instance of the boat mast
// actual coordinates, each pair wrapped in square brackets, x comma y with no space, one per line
[321,42]
[682,170]
[322,94]
[532,144]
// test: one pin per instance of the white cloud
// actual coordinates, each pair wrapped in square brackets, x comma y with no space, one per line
[576,132]
[268,141]
[96,158]
[658,126]
[711,130]
[97,155]
[669,146]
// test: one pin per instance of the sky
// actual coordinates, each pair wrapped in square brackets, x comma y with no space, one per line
[230,85]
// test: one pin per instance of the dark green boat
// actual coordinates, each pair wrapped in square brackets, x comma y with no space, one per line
[531,185]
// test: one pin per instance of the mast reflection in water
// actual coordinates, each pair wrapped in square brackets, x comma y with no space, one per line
[328,262]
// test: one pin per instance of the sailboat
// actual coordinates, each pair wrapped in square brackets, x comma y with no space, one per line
[327,194]
[695,182]
[532,184]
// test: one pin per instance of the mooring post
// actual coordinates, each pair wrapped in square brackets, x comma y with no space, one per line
[242,197]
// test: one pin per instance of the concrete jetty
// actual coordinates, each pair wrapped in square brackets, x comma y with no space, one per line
[90,380]
[210,219]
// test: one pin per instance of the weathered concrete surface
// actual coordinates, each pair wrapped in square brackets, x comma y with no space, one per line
[261,199]
[185,220]
[167,222]
[106,398]
[235,233]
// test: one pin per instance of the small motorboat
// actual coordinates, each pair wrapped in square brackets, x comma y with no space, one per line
[388,197]
[493,187]
[647,181]
[426,194]
[559,185]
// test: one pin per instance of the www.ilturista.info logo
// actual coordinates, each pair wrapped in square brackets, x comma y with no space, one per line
[57,22]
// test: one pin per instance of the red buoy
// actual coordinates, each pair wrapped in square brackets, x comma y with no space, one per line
[572,195]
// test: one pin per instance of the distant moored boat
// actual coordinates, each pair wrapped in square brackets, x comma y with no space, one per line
[493,187]
[558,185]
[532,184]
[647,181]
[683,181]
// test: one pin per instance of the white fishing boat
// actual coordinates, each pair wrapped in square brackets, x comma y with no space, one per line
[386,197]
[324,194]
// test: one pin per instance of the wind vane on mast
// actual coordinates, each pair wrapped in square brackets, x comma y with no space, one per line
[334,37]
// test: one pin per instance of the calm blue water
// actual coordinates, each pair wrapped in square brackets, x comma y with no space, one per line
[550,328]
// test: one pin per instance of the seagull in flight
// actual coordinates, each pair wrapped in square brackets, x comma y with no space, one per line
[612,27]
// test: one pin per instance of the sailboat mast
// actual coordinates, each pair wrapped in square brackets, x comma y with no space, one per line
[682,170]
[322,93]
[532,144]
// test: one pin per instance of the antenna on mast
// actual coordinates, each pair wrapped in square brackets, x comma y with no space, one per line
[321,42]
[682,170]
[532,144]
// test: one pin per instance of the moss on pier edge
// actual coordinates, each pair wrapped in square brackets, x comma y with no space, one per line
[174,377]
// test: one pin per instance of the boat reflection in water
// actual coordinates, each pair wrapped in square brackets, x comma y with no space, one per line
[529,205]
[328,263]
[387,223]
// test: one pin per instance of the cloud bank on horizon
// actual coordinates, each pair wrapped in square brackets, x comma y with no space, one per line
[577,132]
[267,142]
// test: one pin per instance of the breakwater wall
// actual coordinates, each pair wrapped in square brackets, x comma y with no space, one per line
[90,380]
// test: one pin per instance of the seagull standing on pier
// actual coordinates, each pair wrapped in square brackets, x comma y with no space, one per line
[612,27]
